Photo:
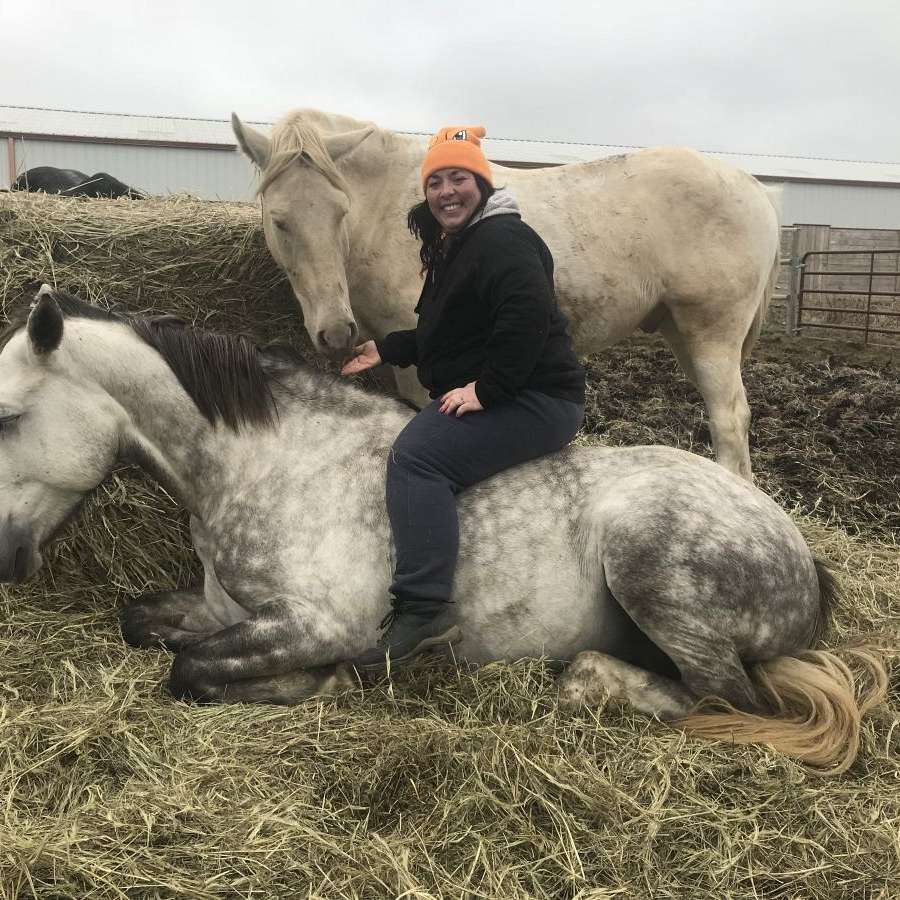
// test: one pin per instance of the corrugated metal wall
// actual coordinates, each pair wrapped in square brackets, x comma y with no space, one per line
[210,174]
[841,205]
[228,175]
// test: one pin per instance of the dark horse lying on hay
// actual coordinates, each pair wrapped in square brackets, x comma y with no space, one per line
[73,183]
[666,578]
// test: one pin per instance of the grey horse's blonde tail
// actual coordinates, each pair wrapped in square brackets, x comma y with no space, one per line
[773,195]
[817,704]
[828,594]
[816,701]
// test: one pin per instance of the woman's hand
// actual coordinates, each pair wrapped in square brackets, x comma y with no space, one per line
[460,401]
[365,356]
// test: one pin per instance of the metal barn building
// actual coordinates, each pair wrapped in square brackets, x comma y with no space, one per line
[163,155]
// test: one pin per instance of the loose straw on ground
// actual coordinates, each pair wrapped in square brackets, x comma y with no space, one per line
[444,782]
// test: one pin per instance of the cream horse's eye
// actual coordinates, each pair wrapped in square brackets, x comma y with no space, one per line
[7,422]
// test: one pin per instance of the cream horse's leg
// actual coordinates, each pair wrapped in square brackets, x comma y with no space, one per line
[408,386]
[715,370]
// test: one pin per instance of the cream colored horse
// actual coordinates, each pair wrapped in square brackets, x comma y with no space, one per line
[660,239]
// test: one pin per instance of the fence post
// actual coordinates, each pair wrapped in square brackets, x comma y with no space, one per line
[793,299]
[11,160]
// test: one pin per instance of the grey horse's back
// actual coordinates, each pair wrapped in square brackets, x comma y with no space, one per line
[548,547]
[664,526]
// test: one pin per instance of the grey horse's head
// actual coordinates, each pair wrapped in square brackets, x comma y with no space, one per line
[57,440]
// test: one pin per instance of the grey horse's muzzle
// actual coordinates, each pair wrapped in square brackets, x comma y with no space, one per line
[17,553]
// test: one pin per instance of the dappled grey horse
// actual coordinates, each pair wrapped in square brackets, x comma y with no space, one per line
[663,576]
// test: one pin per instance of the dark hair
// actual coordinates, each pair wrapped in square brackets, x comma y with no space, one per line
[422,223]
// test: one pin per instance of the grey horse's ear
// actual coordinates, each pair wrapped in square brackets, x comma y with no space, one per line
[45,323]
[340,144]
[254,144]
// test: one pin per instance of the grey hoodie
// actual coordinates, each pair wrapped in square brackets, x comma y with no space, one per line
[500,203]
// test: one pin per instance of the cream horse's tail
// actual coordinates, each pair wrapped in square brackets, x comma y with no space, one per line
[773,195]
[816,700]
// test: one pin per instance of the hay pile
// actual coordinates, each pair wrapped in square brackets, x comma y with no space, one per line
[206,262]
[443,783]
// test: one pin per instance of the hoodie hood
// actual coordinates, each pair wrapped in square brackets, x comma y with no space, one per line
[500,203]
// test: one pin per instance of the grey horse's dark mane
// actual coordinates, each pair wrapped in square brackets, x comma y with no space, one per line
[226,375]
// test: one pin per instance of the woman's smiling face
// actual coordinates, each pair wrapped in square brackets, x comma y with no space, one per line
[453,196]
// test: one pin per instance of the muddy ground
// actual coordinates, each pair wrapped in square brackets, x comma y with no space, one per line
[825,434]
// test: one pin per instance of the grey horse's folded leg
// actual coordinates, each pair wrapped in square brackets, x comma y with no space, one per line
[169,619]
[271,657]
[705,656]
[591,676]
[286,689]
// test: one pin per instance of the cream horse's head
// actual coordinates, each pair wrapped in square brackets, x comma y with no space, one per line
[305,209]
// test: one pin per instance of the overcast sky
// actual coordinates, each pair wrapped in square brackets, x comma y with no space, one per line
[791,77]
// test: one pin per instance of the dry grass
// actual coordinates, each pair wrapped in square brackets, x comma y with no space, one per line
[204,261]
[442,783]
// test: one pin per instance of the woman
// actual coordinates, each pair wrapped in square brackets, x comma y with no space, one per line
[491,347]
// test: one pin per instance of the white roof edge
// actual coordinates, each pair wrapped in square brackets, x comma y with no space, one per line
[176,129]
[760,165]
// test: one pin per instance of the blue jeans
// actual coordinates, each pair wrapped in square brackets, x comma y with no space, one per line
[436,456]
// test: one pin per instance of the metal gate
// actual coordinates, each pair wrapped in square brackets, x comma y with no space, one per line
[850,318]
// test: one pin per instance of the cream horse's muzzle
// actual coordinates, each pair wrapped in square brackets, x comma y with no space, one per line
[338,337]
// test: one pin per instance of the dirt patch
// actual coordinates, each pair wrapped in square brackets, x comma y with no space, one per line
[825,434]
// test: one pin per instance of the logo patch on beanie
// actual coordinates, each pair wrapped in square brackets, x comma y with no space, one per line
[460,136]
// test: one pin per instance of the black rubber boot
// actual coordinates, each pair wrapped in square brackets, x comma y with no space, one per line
[410,628]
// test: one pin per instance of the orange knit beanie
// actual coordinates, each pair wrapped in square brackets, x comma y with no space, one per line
[457,147]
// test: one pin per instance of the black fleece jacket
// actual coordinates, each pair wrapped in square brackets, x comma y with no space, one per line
[487,314]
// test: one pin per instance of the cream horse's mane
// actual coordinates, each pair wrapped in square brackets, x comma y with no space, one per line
[298,136]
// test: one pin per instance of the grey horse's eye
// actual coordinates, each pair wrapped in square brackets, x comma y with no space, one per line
[280,224]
